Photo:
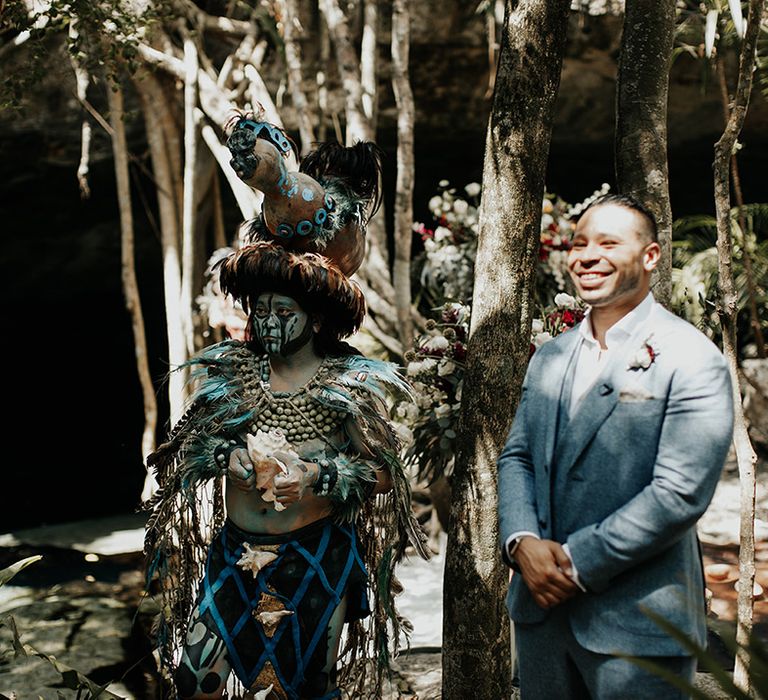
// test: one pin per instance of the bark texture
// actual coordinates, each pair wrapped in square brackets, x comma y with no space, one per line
[728,312]
[401,85]
[476,659]
[641,120]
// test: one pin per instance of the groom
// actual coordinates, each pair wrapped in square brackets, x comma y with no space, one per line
[617,445]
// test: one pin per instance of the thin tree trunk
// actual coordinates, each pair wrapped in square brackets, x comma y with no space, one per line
[745,254]
[219,232]
[641,120]
[727,310]
[476,659]
[130,285]
[81,85]
[189,253]
[291,30]
[151,95]
[369,60]
[358,125]
[321,78]
[405,169]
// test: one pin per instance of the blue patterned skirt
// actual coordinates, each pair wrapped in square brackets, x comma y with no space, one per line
[275,625]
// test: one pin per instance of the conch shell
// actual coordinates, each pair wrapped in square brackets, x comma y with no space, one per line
[261,448]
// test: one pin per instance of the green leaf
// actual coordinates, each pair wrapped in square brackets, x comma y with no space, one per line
[8,573]
[704,657]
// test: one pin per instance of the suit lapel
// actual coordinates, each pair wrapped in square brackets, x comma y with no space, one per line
[560,376]
[598,403]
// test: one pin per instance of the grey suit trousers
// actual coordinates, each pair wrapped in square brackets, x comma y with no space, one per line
[552,665]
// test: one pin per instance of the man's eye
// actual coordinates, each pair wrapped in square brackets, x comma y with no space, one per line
[261,312]
[284,312]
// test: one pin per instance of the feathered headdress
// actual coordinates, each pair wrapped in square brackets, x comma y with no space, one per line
[313,280]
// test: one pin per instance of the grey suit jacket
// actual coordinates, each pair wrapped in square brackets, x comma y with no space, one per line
[635,467]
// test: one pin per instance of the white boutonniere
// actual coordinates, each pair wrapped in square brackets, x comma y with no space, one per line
[645,356]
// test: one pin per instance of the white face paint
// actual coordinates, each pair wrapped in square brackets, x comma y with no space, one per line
[281,325]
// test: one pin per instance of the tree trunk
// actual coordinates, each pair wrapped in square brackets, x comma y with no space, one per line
[476,659]
[152,95]
[404,188]
[130,285]
[291,29]
[745,254]
[641,120]
[189,253]
[81,84]
[727,310]
[369,61]
[358,125]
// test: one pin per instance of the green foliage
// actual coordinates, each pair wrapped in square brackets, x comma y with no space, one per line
[100,36]
[695,271]
[754,650]
[70,678]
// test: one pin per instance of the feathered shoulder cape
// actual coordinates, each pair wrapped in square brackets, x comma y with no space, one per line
[230,399]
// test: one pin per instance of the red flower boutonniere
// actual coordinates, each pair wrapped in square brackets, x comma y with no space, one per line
[645,356]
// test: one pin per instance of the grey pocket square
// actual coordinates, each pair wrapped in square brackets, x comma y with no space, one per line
[634,394]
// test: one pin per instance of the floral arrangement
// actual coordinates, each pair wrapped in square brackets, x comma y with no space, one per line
[436,371]
[436,364]
[450,247]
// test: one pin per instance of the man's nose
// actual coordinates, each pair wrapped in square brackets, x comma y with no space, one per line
[272,321]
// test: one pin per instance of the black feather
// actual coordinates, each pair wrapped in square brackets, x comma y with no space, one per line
[358,166]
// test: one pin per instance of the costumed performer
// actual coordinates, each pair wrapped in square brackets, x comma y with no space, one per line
[297,421]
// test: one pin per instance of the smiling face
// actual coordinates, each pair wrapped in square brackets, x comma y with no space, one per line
[280,324]
[612,257]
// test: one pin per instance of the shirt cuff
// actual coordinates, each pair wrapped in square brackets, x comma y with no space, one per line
[516,536]
[574,572]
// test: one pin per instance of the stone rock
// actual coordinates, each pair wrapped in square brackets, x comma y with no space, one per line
[755,391]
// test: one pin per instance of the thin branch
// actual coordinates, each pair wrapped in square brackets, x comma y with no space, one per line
[130,284]
[727,312]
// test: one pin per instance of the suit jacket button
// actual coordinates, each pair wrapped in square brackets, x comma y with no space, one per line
[542,523]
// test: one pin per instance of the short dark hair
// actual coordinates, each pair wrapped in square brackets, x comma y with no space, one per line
[628,202]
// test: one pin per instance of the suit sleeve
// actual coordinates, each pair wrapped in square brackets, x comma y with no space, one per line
[517,486]
[695,436]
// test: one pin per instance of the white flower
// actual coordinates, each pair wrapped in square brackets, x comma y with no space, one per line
[428,365]
[540,338]
[565,301]
[547,207]
[430,246]
[404,433]
[414,368]
[435,203]
[412,412]
[445,367]
[460,207]
[438,342]
[443,183]
[472,189]
[443,411]
[537,326]
[546,221]
[442,233]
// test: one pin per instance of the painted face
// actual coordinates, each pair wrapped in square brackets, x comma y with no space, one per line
[610,261]
[280,324]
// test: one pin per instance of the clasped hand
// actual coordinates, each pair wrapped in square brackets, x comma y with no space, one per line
[547,571]
[289,487]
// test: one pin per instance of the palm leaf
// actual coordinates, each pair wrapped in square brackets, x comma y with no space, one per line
[703,656]
[8,573]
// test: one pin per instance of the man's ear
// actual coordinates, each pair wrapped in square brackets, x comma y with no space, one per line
[651,256]
[317,323]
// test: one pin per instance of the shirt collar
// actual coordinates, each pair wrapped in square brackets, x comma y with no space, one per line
[623,328]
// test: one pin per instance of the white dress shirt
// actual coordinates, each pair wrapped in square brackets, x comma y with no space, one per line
[590,363]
